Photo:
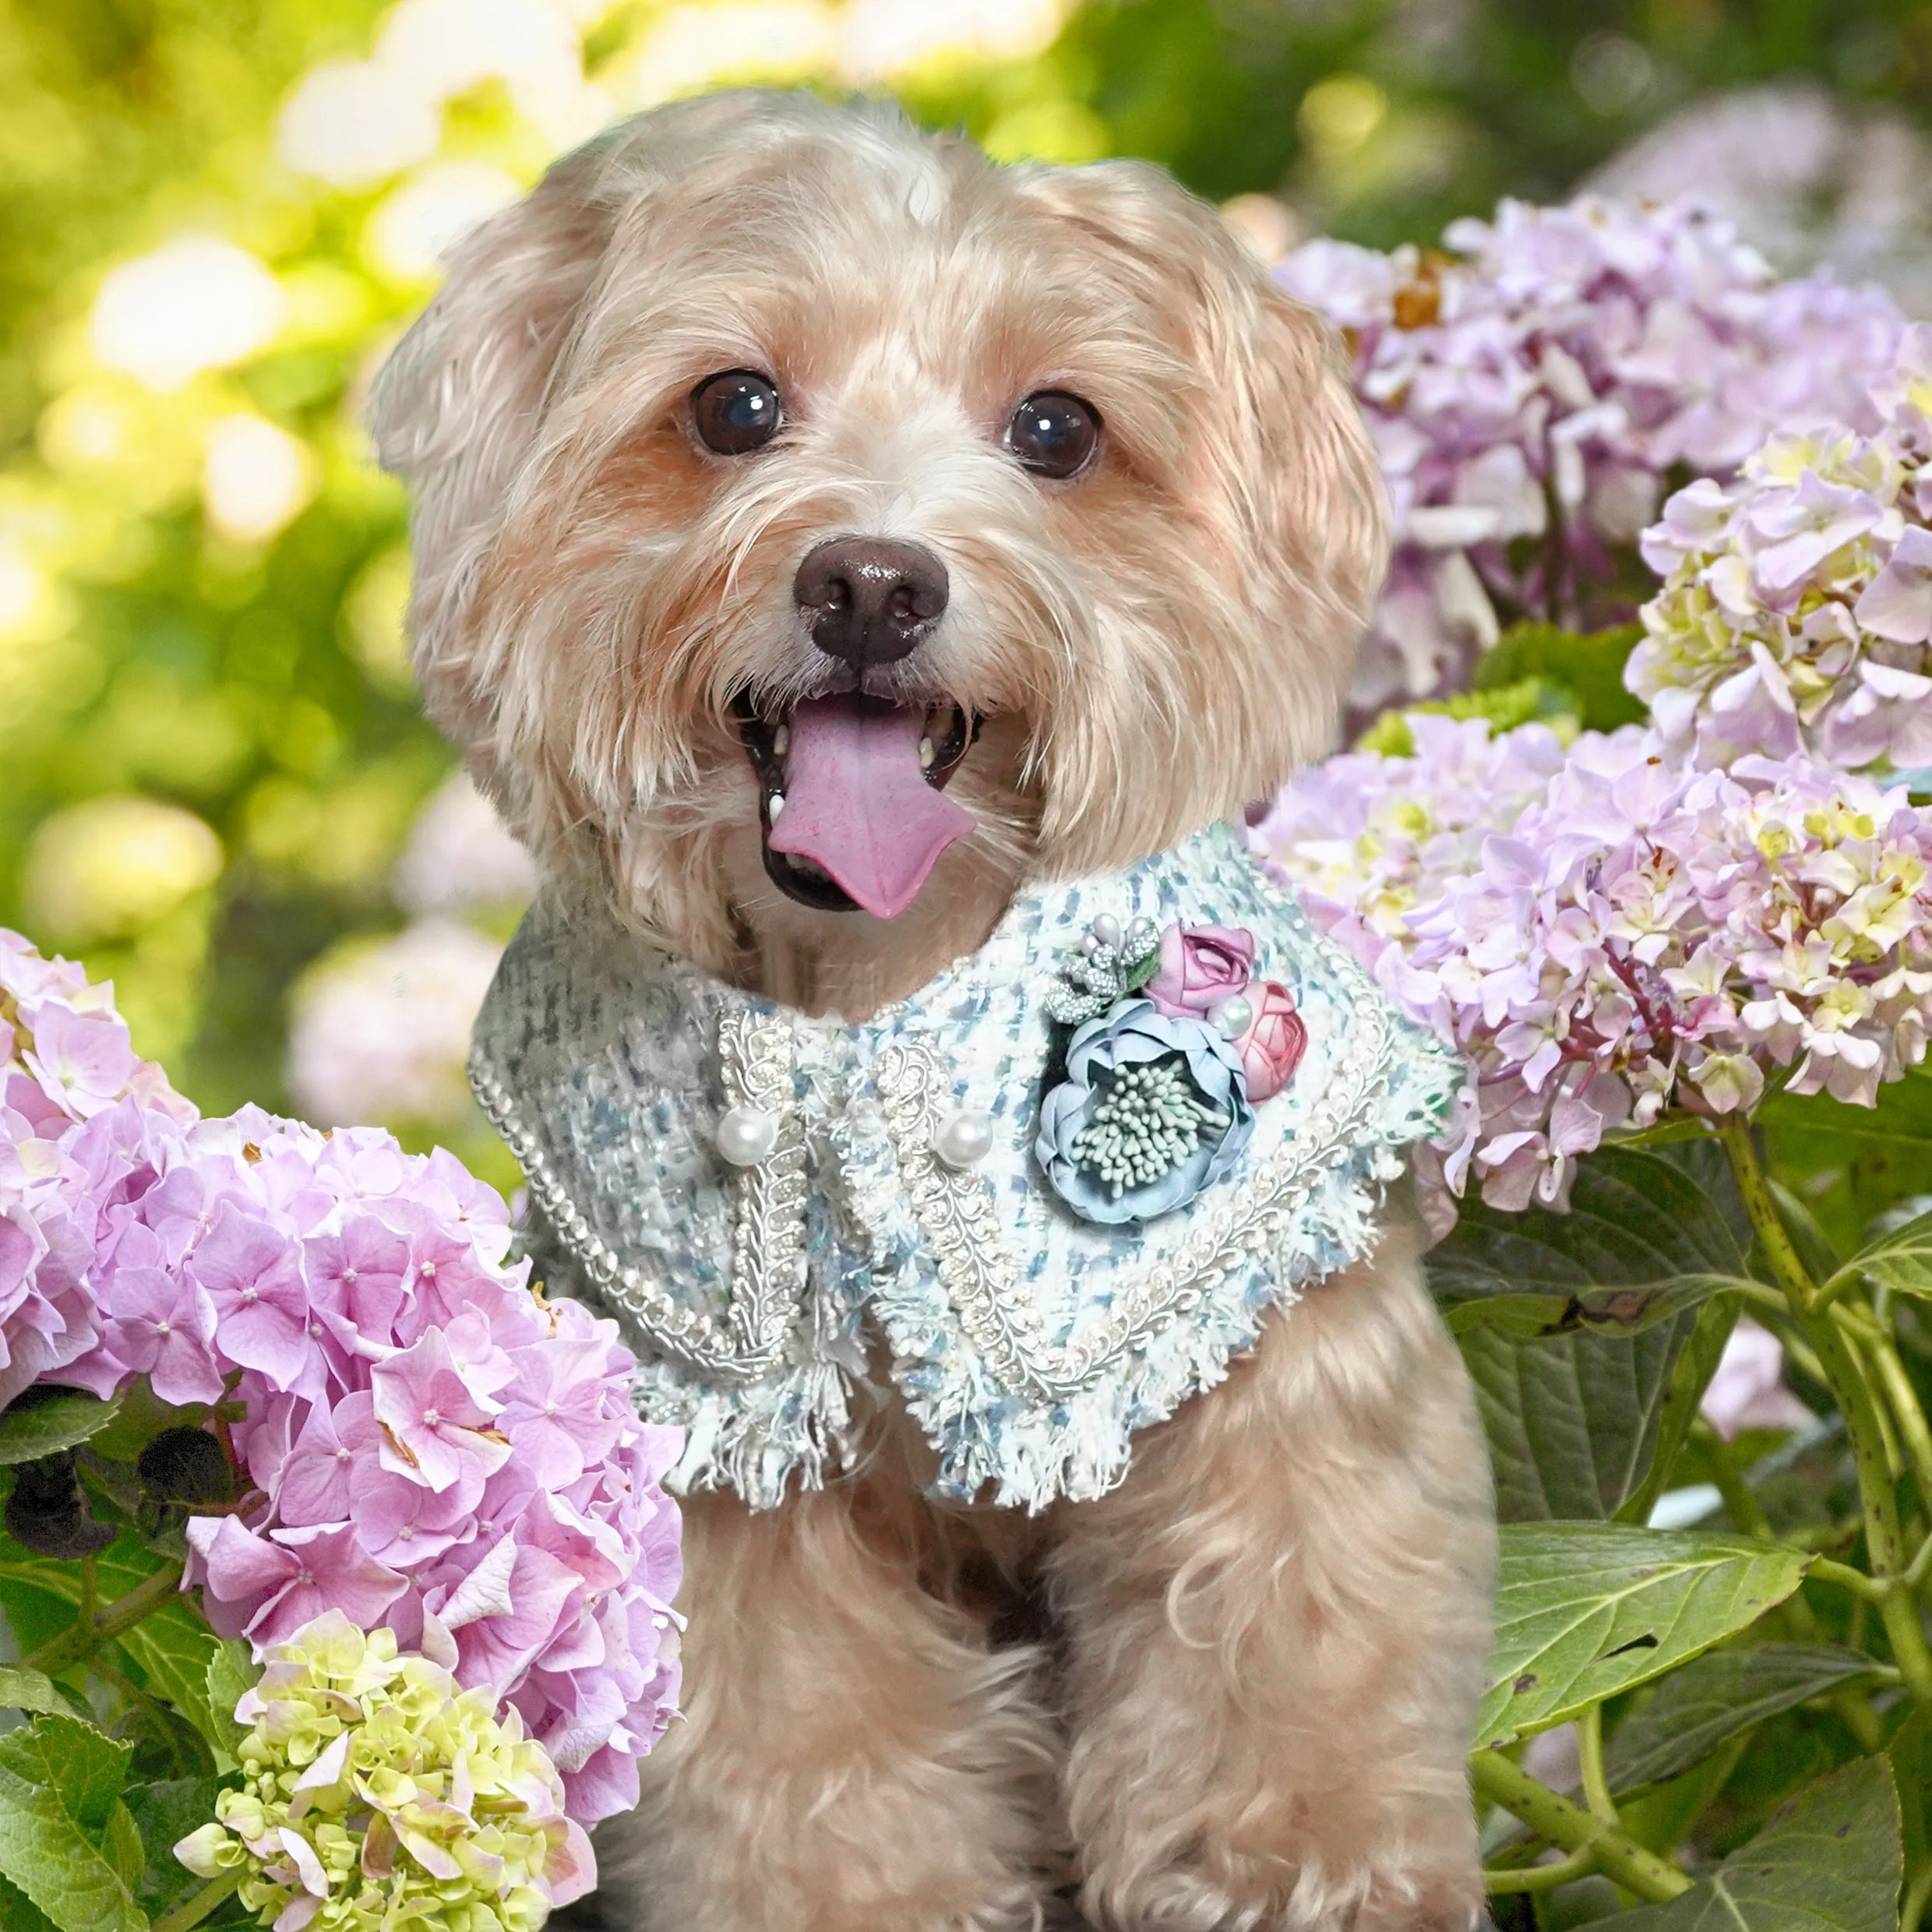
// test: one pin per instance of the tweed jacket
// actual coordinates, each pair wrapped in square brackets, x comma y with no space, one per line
[885,1184]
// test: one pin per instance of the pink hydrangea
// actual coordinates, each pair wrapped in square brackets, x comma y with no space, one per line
[1629,932]
[73,1095]
[1529,391]
[427,1445]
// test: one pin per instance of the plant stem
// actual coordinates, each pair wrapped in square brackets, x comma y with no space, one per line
[82,1640]
[1825,1570]
[1579,1864]
[1845,1377]
[1747,1518]
[194,1909]
[1791,1276]
[1596,1784]
[1558,1822]
[1902,1399]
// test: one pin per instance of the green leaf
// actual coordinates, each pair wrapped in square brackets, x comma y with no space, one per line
[1588,663]
[1572,1421]
[143,1415]
[1901,1260]
[19,1912]
[121,1844]
[1690,1375]
[87,1768]
[165,1813]
[1530,701]
[1715,1697]
[1902,1111]
[30,1690]
[1643,1241]
[60,1419]
[60,1785]
[232,1670]
[172,1649]
[1829,1860]
[1584,1610]
[169,1650]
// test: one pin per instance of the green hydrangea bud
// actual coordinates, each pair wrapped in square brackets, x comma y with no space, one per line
[376,1791]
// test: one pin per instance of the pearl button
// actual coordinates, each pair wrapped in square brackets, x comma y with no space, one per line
[746,1135]
[1232,1018]
[963,1139]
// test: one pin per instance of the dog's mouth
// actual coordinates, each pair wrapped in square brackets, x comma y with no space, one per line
[851,801]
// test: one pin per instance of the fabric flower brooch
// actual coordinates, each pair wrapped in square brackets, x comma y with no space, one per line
[1175,1043]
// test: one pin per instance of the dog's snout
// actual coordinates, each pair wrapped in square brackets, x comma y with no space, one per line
[869,600]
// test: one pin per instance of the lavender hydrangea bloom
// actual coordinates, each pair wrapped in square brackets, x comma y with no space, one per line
[1193,1114]
[1527,392]
[1624,933]
[1796,609]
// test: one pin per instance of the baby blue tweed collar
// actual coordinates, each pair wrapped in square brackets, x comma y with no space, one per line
[756,1195]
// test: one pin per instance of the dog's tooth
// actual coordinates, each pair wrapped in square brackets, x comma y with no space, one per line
[781,741]
[926,754]
[774,808]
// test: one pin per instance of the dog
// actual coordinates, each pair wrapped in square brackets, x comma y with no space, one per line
[1020,499]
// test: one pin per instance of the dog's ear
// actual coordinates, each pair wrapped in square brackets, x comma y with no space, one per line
[1287,522]
[456,405]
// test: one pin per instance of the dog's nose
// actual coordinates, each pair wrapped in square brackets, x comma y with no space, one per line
[869,600]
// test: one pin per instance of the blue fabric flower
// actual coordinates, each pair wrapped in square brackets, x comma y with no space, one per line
[1153,1107]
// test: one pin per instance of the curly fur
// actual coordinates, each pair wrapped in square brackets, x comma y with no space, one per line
[1273,1631]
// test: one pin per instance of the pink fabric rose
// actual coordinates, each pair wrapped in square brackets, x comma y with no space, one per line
[1272,1047]
[1200,966]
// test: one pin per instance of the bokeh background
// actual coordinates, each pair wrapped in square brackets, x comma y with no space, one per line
[215,215]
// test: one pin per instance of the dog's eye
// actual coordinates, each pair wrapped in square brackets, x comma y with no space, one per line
[735,412]
[1054,434]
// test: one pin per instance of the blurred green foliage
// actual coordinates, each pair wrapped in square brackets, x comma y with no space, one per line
[243,671]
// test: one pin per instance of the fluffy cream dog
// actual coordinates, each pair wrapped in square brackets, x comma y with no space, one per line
[777,466]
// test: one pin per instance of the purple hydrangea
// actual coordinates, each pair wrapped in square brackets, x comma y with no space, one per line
[1607,931]
[1529,391]
[1796,609]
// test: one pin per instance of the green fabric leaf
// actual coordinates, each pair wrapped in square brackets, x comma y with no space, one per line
[60,1784]
[57,1420]
[1584,1610]
[1643,1241]
[31,1690]
[1573,1420]
[1715,1697]
[166,1813]
[1829,1860]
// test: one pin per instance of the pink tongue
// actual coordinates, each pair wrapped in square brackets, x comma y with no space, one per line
[857,805]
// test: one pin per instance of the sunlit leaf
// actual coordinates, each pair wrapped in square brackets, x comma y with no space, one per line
[60,1783]
[1584,1610]
[59,1420]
